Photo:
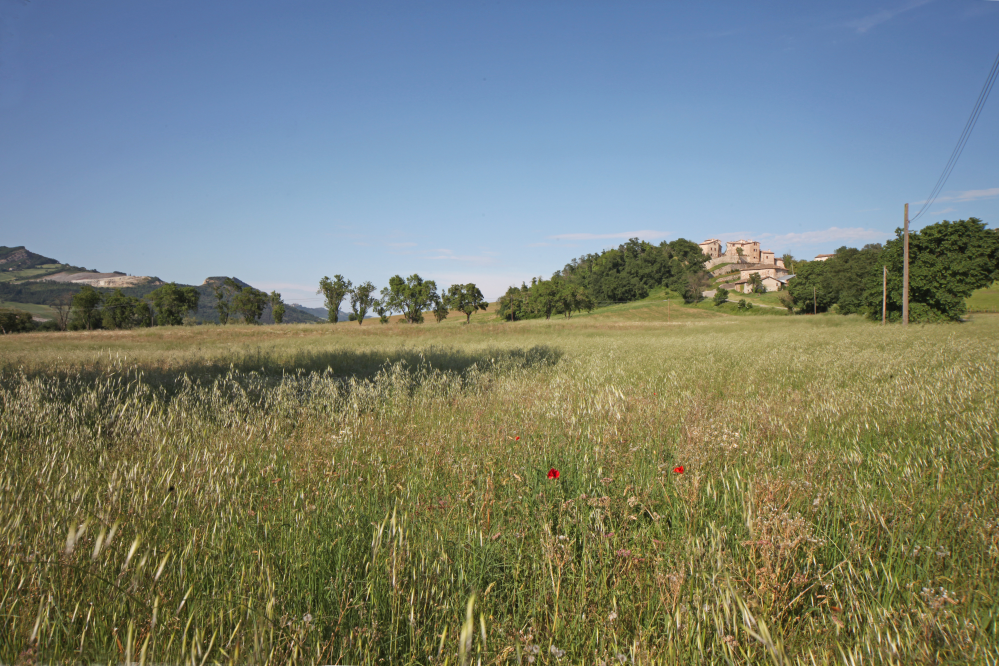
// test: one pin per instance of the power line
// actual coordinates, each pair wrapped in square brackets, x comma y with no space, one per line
[962,140]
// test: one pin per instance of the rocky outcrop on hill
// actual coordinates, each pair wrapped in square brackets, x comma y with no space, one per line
[109,280]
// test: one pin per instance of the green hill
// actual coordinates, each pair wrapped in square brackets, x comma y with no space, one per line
[19,258]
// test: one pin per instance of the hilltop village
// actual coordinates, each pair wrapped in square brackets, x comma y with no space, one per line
[740,260]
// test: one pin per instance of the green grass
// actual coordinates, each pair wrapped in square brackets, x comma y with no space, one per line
[365,494]
[763,305]
[43,311]
[31,273]
[985,300]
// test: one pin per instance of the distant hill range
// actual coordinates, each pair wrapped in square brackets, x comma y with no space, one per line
[30,278]
[322,313]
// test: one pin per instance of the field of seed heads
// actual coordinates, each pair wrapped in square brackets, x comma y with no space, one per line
[806,490]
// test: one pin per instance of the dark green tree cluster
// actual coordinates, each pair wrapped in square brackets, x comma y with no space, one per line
[545,298]
[15,321]
[173,302]
[231,298]
[841,280]
[947,262]
[224,293]
[631,271]
[121,311]
[167,306]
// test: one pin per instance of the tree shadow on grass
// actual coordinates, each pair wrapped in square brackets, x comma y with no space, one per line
[366,364]
[341,363]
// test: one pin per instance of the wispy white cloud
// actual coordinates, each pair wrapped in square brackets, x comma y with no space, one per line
[941,212]
[830,235]
[401,244]
[865,23]
[967,195]
[644,233]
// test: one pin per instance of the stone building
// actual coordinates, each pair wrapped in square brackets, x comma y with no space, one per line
[750,251]
[711,247]
[763,269]
[776,283]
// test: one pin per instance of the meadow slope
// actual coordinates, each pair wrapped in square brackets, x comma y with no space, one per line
[356,494]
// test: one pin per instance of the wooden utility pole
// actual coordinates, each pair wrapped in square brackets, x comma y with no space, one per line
[667,310]
[905,270]
[884,297]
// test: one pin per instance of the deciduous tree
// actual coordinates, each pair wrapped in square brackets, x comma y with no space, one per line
[411,296]
[61,305]
[171,302]
[334,290]
[277,307]
[441,309]
[224,293]
[697,282]
[15,321]
[84,308]
[786,300]
[250,303]
[947,261]
[513,305]
[544,296]
[362,298]
[573,298]
[809,287]
[121,311]
[467,299]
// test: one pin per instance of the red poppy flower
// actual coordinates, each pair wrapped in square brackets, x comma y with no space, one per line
[553,473]
[517,438]
[678,469]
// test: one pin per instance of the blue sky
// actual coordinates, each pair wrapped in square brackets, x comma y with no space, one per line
[478,141]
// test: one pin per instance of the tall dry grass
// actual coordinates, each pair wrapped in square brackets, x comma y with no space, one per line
[363,496]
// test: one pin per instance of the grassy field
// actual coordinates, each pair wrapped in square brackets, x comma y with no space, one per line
[985,300]
[31,273]
[42,311]
[380,493]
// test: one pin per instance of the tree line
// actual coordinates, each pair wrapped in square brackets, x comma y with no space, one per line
[947,262]
[411,297]
[168,305]
[626,273]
